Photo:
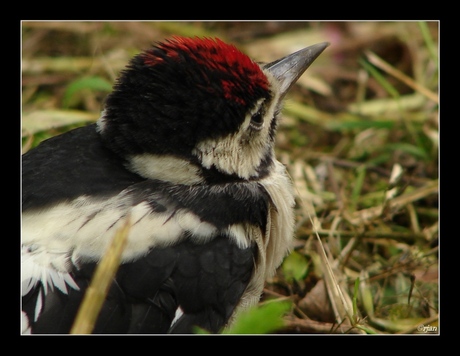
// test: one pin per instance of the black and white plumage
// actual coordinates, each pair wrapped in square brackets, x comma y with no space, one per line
[185,148]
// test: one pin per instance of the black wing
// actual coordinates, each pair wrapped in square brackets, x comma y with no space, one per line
[205,281]
[73,164]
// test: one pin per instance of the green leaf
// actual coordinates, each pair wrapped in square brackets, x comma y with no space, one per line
[357,186]
[295,266]
[360,125]
[355,297]
[85,83]
[261,319]
[407,148]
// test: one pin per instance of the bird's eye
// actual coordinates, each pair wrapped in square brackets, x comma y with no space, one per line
[257,121]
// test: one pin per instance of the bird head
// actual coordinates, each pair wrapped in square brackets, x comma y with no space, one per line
[201,107]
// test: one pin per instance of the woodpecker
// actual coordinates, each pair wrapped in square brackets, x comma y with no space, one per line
[184,146]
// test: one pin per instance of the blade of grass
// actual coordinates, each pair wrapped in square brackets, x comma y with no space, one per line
[384,109]
[42,120]
[429,41]
[355,300]
[340,301]
[363,216]
[379,77]
[381,64]
[357,186]
[365,293]
[100,284]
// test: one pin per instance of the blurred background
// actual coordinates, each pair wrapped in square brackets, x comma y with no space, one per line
[359,135]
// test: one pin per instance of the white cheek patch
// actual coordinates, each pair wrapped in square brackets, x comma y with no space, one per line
[235,154]
[240,153]
[166,168]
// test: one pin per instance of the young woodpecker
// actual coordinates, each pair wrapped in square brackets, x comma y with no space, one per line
[185,148]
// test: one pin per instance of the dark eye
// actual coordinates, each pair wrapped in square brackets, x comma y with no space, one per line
[257,121]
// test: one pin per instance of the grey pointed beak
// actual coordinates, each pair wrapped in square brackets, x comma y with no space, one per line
[288,69]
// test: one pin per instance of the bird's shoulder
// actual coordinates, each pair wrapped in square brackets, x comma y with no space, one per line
[70,165]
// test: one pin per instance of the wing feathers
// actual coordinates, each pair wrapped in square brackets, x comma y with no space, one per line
[61,237]
[38,273]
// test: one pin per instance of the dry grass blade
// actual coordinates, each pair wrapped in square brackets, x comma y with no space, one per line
[393,205]
[340,301]
[380,63]
[100,284]
[42,120]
